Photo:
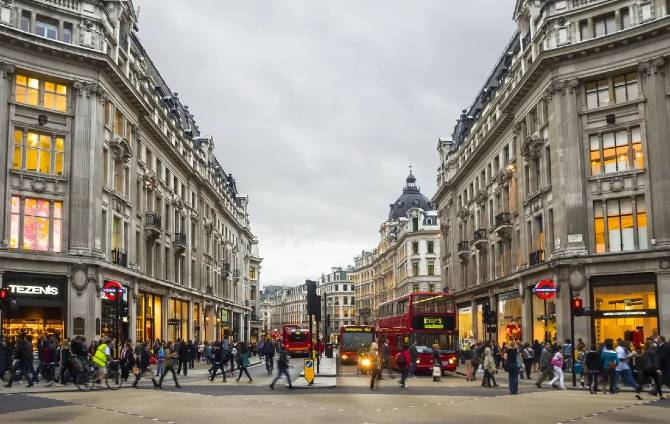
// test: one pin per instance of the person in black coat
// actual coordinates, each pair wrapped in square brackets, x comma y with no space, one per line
[592,367]
[4,357]
[190,347]
[142,363]
[663,352]
[649,369]
[23,360]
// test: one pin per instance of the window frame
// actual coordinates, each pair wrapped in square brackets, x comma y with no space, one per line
[41,91]
[638,213]
[17,229]
[56,157]
[634,145]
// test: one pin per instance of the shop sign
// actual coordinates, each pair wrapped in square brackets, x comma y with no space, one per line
[33,290]
[110,288]
[545,289]
[508,295]
[625,314]
[174,322]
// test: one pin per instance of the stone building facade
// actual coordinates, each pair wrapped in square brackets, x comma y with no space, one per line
[112,198]
[557,174]
[407,258]
[339,308]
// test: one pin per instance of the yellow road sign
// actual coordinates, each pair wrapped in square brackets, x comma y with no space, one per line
[309,370]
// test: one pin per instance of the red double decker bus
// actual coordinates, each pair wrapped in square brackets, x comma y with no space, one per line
[353,338]
[295,339]
[425,318]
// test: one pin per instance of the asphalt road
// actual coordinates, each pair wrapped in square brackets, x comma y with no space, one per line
[452,400]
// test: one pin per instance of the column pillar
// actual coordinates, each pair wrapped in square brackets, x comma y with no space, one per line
[6,71]
[663,301]
[657,133]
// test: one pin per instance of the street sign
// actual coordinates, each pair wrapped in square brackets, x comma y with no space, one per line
[545,289]
[309,370]
[110,289]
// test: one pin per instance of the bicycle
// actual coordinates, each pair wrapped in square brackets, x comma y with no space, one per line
[87,377]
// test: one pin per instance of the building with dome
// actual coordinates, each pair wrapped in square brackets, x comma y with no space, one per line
[406,258]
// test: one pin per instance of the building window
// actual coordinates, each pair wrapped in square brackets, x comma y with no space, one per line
[646,11]
[415,248]
[415,269]
[625,87]
[67,33]
[431,268]
[24,25]
[45,27]
[35,224]
[618,232]
[625,18]
[28,92]
[431,247]
[604,25]
[55,96]
[597,94]
[616,151]
[38,152]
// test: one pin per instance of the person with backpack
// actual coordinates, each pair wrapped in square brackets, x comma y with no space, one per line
[402,360]
[592,368]
[649,369]
[282,369]
[528,357]
[609,361]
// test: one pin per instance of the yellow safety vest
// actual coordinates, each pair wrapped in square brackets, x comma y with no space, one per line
[100,358]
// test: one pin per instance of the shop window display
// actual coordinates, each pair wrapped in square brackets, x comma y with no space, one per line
[625,311]
[177,319]
[465,323]
[149,315]
[544,319]
[509,319]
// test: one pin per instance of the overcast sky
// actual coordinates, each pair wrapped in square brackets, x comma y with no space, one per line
[318,107]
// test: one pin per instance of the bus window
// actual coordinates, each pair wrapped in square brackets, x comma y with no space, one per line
[432,304]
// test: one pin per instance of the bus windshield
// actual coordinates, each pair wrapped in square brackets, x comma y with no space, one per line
[353,341]
[425,342]
[432,304]
[297,336]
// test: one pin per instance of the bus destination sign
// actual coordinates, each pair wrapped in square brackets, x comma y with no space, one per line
[433,323]
[357,329]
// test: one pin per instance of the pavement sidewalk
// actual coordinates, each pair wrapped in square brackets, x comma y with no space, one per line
[200,372]
[501,377]
[325,379]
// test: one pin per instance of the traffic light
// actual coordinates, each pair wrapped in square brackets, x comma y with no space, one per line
[489,316]
[4,297]
[577,306]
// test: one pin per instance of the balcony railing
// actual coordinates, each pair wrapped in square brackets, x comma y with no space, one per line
[67,4]
[180,239]
[536,257]
[119,258]
[578,3]
[503,218]
[463,246]
[480,234]
[153,220]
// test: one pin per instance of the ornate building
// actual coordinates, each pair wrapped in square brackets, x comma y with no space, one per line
[407,258]
[339,308]
[112,198]
[555,181]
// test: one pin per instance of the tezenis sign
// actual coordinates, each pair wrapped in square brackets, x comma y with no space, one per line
[34,290]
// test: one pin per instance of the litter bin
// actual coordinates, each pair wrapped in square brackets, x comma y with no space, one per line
[329,350]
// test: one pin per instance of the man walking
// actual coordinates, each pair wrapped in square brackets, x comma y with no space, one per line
[413,356]
[546,369]
[23,358]
[403,361]
[170,356]
[4,357]
[282,369]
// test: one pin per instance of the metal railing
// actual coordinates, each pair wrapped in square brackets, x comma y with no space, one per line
[503,218]
[153,220]
[536,257]
[119,258]
[180,238]
[480,234]
[67,4]
[463,245]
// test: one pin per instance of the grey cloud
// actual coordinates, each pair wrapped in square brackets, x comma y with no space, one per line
[318,107]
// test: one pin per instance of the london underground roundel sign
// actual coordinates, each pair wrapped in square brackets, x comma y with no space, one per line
[545,289]
[110,288]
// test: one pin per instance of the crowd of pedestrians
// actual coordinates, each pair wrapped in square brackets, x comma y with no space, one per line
[604,366]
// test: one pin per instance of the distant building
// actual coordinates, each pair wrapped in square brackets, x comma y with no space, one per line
[340,308]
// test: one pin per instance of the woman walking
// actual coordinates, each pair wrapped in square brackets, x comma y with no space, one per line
[170,356]
[557,363]
[243,362]
[489,368]
[375,365]
[649,369]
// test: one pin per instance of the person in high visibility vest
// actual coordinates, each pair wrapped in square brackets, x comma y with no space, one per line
[102,355]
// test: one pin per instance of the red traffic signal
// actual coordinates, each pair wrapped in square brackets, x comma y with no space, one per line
[577,306]
[3,295]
